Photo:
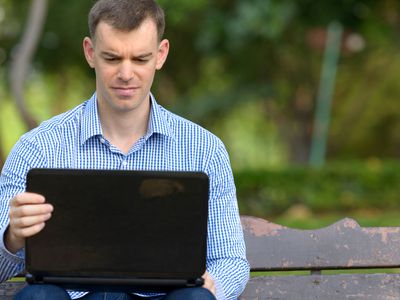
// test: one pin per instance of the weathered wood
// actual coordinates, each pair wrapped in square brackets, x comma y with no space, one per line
[10,288]
[324,287]
[342,245]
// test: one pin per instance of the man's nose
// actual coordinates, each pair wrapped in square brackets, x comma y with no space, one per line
[125,72]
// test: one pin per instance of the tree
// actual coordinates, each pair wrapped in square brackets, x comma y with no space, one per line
[23,56]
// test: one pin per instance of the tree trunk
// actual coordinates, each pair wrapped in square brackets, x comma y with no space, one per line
[2,161]
[22,58]
[2,154]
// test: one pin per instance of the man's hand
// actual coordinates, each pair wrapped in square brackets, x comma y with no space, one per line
[28,213]
[209,283]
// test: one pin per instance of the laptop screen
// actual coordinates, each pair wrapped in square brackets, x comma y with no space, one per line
[111,223]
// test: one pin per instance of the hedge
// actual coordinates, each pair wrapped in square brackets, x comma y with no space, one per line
[334,188]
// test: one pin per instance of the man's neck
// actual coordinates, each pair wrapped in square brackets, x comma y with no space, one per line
[124,129]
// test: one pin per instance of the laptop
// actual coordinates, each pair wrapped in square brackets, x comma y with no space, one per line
[113,230]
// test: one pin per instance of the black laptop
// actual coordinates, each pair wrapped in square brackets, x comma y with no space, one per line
[115,230]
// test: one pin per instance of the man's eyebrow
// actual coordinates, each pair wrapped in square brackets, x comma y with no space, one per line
[141,56]
[106,53]
[145,55]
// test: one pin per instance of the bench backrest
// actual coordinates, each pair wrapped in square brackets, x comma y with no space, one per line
[343,245]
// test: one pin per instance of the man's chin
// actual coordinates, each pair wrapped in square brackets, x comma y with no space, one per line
[126,105]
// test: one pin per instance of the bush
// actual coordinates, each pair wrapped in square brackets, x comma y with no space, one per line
[336,187]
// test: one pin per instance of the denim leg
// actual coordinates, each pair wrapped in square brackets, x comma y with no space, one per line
[106,296]
[198,293]
[42,292]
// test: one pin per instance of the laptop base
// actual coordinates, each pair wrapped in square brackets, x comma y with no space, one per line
[128,285]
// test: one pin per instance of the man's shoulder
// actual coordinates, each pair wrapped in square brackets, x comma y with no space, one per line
[57,124]
[183,127]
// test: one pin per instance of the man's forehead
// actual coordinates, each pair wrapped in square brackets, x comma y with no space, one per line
[135,42]
[104,25]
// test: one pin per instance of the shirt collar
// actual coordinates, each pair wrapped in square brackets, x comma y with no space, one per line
[90,121]
[158,121]
[91,126]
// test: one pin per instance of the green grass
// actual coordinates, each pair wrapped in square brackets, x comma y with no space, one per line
[17,279]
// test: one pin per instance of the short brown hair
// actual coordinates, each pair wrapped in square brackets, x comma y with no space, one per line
[126,15]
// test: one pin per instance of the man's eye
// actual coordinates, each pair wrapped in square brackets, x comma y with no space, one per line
[141,61]
[110,59]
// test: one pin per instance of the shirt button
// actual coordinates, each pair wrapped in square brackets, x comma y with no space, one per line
[124,163]
[102,140]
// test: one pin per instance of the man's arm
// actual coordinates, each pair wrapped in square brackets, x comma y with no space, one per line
[23,156]
[226,257]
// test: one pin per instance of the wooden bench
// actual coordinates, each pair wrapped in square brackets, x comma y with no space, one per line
[9,288]
[342,246]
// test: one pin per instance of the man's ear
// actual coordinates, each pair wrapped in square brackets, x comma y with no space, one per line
[88,49]
[162,54]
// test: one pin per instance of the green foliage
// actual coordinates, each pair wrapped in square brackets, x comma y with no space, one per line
[228,55]
[182,11]
[366,112]
[243,126]
[47,95]
[341,187]
[61,44]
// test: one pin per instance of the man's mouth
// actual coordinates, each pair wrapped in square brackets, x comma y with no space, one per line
[125,91]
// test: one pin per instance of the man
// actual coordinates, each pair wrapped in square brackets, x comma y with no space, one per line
[122,127]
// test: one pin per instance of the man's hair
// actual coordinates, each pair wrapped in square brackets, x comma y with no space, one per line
[126,15]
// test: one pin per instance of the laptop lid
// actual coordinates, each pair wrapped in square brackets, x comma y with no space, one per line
[120,228]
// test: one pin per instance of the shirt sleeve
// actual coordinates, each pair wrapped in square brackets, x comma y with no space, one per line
[226,253]
[22,157]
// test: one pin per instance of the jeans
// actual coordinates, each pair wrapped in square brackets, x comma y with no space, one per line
[53,292]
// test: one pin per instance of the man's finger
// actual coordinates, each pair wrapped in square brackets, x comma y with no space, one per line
[30,210]
[209,283]
[29,221]
[28,231]
[27,198]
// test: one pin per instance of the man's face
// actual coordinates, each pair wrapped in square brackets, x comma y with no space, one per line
[125,63]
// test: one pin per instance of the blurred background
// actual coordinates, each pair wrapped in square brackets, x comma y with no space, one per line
[304,94]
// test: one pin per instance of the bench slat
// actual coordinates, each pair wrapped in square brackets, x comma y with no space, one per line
[324,287]
[342,245]
[359,286]
[9,288]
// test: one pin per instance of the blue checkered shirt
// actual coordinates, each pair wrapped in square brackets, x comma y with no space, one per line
[74,139]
